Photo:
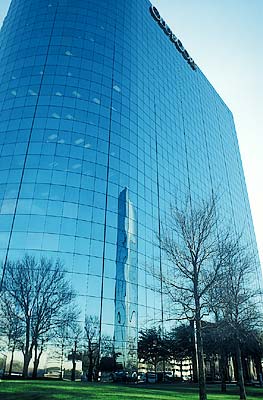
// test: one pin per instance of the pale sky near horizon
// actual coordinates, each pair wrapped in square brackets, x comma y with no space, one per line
[224,37]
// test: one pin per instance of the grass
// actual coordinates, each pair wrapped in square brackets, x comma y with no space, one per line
[55,390]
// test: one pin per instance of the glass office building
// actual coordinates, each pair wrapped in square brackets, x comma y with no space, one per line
[104,119]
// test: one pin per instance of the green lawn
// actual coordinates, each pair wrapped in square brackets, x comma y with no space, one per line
[54,390]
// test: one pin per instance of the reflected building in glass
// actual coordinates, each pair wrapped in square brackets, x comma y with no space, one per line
[126,291]
[104,119]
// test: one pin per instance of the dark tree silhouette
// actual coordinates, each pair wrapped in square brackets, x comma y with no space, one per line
[236,302]
[91,340]
[76,353]
[196,251]
[11,327]
[42,294]
[180,344]
[152,347]
[253,347]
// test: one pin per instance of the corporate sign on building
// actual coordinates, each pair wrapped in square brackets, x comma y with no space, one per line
[178,44]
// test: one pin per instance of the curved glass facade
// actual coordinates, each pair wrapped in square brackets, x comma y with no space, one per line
[103,123]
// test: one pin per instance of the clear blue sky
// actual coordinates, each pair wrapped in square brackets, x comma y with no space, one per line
[3,9]
[225,39]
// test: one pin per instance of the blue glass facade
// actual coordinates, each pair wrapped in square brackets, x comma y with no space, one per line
[102,123]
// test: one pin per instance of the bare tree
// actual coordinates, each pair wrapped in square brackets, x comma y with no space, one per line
[41,294]
[237,301]
[91,338]
[196,251]
[11,328]
[76,353]
[66,334]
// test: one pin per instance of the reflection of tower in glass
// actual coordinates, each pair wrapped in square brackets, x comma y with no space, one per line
[126,292]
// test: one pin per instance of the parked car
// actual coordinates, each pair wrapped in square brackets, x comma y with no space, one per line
[151,377]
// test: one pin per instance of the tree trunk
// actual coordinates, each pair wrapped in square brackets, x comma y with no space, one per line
[235,369]
[61,363]
[90,371]
[199,340]
[195,369]
[27,358]
[223,370]
[200,359]
[241,384]
[164,368]
[91,366]
[36,361]
[11,362]
[245,366]
[73,371]
[213,368]
[34,373]
[258,365]
[27,350]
